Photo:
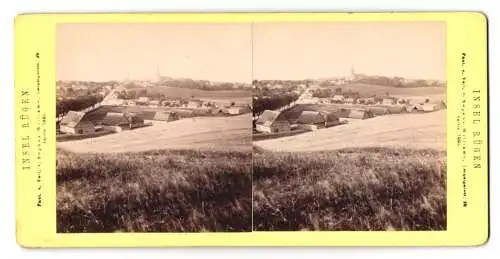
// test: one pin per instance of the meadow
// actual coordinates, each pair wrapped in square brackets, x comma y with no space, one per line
[417,131]
[354,189]
[179,92]
[199,133]
[154,191]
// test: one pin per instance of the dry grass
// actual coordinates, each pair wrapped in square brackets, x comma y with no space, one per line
[350,190]
[155,191]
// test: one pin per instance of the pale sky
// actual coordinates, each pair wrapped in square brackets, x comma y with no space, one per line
[101,52]
[313,50]
[224,52]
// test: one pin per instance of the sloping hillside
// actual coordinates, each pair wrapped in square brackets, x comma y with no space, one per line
[211,133]
[427,130]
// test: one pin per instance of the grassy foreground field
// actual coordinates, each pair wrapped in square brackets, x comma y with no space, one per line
[356,189]
[154,191]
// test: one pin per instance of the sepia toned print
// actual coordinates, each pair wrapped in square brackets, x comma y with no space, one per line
[154,128]
[331,126]
[349,126]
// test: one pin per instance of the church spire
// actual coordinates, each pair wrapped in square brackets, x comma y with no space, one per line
[158,73]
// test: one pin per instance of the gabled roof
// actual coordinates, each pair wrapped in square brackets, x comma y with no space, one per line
[268,117]
[72,118]
[166,115]
[143,99]
[133,118]
[184,113]
[338,98]
[330,116]
[358,113]
[379,110]
[116,118]
[310,117]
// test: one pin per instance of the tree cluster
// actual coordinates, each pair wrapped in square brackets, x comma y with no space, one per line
[397,82]
[76,104]
[202,85]
[329,92]
[262,103]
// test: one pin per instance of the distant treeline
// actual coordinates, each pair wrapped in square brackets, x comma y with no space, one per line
[195,84]
[90,84]
[365,79]
[398,82]
[329,92]
[262,83]
[262,103]
[76,104]
[134,94]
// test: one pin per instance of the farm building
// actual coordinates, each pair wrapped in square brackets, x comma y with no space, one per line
[314,120]
[202,111]
[402,101]
[184,113]
[331,119]
[272,122]
[166,116]
[235,110]
[116,102]
[76,123]
[123,120]
[360,114]
[396,109]
[379,111]
[349,100]
[194,104]
[338,98]
[414,108]
[130,103]
[370,100]
[216,111]
[135,121]
[342,113]
[142,101]
[388,101]
[154,103]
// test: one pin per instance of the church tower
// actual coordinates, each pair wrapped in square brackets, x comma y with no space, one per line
[158,73]
[353,73]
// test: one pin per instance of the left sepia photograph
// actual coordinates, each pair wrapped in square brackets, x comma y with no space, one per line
[154,128]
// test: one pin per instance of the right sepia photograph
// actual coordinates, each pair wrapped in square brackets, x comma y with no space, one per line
[349,126]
